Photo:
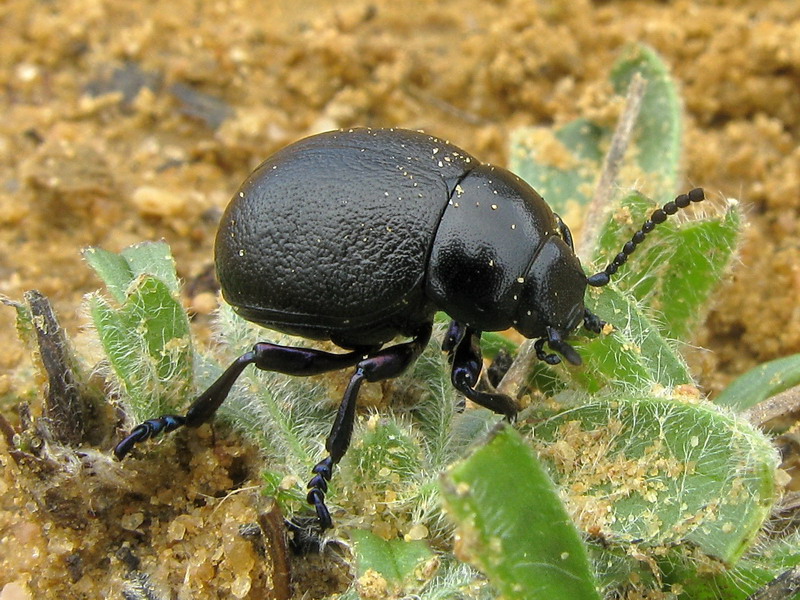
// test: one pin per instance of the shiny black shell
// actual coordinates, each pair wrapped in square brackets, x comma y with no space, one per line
[361,235]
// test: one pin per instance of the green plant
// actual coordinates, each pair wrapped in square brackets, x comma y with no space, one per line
[146,335]
[667,487]
[640,483]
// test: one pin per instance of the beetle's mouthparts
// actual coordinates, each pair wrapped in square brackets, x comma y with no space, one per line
[557,343]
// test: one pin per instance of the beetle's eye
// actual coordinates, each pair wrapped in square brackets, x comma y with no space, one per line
[563,232]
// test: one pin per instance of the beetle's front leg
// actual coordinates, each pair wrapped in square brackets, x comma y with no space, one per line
[384,364]
[463,345]
[268,357]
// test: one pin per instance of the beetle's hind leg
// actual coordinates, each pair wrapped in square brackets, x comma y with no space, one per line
[265,356]
[383,364]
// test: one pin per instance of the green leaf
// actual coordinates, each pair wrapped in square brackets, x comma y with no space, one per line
[26,330]
[391,568]
[708,581]
[385,449]
[700,254]
[146,337]
[657,144]
[148,344]
[634,356]
[627,216]
[760,383]
[113,269]
[674,273]
[564,165]
[662,471]
[119,271]
[513,526]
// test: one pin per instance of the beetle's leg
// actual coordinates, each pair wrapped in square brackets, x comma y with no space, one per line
[467,365]
[146,430]
[452,338]
[384,364]
[269,357]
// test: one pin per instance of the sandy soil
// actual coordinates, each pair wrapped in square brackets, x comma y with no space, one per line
[119,127]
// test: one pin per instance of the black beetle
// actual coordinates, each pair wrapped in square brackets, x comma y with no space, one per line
[359,236]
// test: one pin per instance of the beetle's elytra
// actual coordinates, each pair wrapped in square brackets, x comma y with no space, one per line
[359,236]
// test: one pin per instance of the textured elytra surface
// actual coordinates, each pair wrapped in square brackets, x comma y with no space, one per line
[334,232]
[358,235]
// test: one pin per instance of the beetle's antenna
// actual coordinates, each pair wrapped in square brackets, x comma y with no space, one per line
[659,216]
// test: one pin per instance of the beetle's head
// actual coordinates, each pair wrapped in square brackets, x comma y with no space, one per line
[551,300]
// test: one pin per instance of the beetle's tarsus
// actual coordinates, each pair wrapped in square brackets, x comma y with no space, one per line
[316,498]
[146,430]
[380,365]
[556,341]
[201,410]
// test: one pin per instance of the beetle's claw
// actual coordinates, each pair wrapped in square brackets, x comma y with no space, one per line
[317,499]
[567,352]
[138,434]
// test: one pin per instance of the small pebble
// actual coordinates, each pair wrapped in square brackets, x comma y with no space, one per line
[155,202]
